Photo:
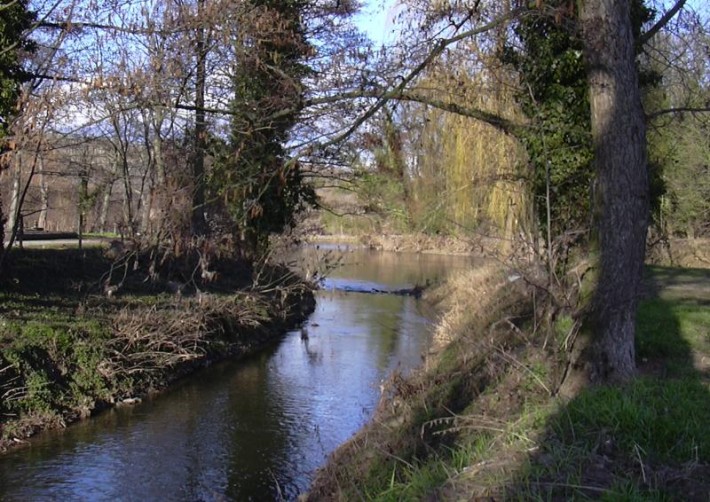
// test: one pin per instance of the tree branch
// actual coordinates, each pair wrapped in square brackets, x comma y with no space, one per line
[645,37]
[679,110]
[438,49]
[69,27]
[500,123]
[382,96]
[59,78]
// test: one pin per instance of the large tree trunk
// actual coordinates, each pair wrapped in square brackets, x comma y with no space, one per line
[619,135]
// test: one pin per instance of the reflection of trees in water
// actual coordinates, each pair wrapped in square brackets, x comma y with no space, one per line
[313,356]
[380,314]
[259,441]
[390,325]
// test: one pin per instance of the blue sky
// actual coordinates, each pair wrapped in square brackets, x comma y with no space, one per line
[375,19]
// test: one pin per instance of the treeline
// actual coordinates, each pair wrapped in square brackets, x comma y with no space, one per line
[529,122]
[164,121]
[501,134]
[173,120]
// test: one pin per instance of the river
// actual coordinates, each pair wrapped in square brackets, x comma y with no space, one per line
[255,429]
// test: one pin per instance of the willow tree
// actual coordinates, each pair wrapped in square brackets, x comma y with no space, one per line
[467,173]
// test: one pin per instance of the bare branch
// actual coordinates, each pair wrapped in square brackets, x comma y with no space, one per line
[645,37]
[503,124]
[679,110]
[438,49]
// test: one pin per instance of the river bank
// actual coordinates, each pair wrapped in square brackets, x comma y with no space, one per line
[483,419]
[671,252]
[71,346]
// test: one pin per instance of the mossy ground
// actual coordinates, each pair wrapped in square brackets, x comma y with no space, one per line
[68,350]
[482,422]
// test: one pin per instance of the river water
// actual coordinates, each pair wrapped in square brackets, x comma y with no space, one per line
[254,429]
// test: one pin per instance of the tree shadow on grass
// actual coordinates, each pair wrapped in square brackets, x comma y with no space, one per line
[648,439]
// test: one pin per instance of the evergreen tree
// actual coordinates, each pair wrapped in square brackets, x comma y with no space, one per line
[261,188]
[15,20]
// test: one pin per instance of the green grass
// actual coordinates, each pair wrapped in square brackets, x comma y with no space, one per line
[657,423]
[51,363]
[105,235]
[417,481]
[621,443]
[665,420]
[668,328]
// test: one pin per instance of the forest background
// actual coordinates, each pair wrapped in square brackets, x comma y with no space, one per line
[101,138]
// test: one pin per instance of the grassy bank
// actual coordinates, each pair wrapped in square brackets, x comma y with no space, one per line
[483,420]
[69,347]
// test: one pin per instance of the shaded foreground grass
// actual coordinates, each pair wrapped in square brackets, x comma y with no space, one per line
[483,420]
[68,350]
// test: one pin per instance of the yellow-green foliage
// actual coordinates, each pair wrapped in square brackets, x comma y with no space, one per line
[470,172]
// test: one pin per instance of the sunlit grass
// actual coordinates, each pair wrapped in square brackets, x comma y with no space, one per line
[660,321]
[663,420]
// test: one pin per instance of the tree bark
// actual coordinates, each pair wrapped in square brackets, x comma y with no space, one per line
[43,196]
[619,136]
[105,205]
[12,214]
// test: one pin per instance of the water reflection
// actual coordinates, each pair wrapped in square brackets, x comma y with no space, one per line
[255,430]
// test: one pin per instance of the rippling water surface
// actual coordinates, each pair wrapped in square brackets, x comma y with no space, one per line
[252,430]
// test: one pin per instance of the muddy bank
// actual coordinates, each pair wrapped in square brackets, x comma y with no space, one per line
[69,350]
